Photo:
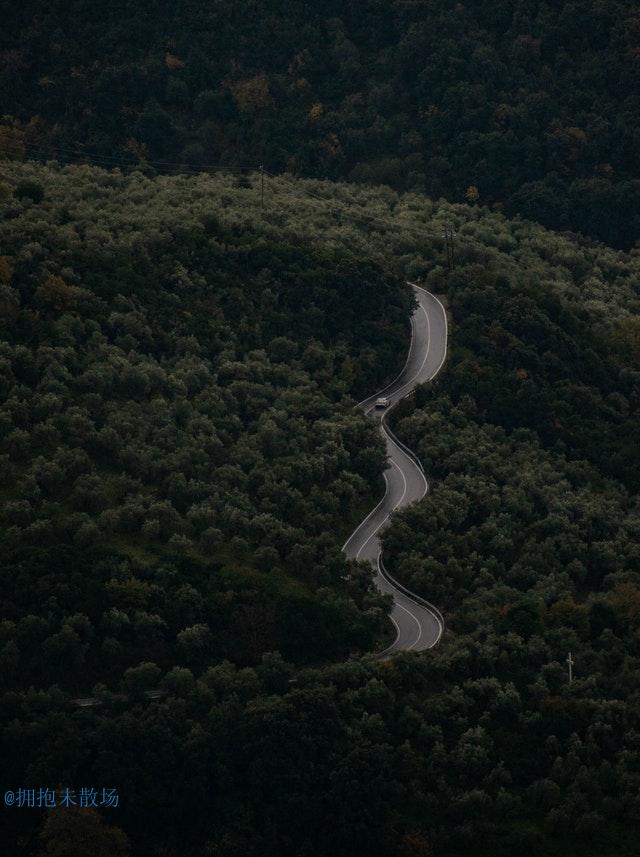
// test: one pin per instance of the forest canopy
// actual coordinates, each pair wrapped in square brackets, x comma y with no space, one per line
[181,462]
[178,443]
[528,106]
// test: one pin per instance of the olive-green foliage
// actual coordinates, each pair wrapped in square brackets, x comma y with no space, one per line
[178,441]
[526,540]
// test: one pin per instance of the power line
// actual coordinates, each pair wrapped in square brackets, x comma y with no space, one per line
[52,152]
[349,214]
[344,211]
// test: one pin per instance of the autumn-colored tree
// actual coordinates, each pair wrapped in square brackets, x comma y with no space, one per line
[299,61]
[315,111]
[252,94]
[57,294]
[625,600]
[472,194]
[71,832]
[173,61]
[331,147]
[416,844]
[137,149]
[605,170]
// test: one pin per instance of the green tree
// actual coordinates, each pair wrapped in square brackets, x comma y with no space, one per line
[77,832]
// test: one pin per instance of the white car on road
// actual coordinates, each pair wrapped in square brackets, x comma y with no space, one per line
[382,402]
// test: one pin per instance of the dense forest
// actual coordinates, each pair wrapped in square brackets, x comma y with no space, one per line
[176,447]
[529,541]
[182,460]
[526,105]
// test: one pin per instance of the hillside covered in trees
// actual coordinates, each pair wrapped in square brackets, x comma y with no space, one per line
[176,449]
[181,462]
[529,104]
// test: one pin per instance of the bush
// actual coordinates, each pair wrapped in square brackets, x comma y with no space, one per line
[29,190]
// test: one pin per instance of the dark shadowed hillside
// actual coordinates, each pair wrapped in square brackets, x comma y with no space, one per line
[177,448]
[529,106]
[181,462]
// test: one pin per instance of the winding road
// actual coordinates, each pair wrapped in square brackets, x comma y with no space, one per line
[418,623]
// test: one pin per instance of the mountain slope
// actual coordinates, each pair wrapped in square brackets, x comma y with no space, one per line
[146,317]
[530,104]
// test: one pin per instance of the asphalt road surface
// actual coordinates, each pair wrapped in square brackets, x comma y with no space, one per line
[419,625]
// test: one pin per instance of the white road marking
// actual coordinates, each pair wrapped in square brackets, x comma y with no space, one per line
[446,328]
[426,356]
[433,612]
[396,603]
[388,515]
[411,380]
[424,478]
[418,623]
[406,362]
[395,445]
[371,513]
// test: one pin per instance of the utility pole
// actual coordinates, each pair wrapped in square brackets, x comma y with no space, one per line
[448,235]
[445,235]
[452,236]
[570,661]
